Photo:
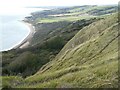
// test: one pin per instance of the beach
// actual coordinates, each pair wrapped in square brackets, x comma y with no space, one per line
[27,39]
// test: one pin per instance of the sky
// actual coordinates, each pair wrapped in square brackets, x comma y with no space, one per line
[16,6]
[26,3]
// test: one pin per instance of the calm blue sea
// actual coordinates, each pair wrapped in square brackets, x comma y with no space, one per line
[12,31]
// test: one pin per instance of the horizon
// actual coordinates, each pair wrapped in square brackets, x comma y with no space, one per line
[22,10]
[50,3]
[70,6]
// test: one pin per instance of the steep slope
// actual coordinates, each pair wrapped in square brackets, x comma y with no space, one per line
[53,29]
[89,59]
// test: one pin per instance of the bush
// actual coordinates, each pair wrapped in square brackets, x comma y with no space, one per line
[55,43]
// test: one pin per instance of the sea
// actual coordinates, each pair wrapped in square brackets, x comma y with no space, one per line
[12,30]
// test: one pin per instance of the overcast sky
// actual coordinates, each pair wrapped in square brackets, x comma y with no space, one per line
[25,3]
[15,6]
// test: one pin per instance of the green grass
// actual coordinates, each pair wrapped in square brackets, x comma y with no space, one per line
[88,77]
[11,81]
[58,19]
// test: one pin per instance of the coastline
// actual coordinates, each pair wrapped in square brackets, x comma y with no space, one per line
[25,42]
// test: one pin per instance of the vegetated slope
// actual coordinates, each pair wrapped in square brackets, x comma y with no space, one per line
[55,34]
[89,59]
[46,43]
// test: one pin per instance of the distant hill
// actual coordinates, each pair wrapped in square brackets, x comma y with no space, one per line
[63,17]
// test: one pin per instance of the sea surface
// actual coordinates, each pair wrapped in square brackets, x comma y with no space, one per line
[12,30]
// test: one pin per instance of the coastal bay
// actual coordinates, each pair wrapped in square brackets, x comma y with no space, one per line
[26,40]
[13,31]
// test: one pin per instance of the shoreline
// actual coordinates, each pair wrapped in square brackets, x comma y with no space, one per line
[25,42]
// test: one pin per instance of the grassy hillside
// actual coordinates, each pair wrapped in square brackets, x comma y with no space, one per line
[67,53]
[90,59]
[46,43]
